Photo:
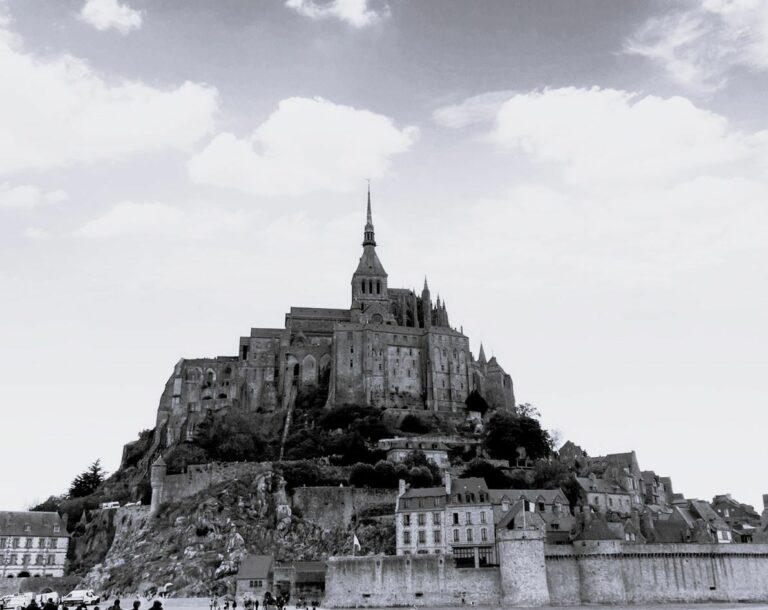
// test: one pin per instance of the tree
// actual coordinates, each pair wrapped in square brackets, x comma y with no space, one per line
[413,423]
[418,459]
[52,504]
[233,437]
[362,475]
[87,482]
[183,455]
[420,476]
[526,409]
[494,477]
[384,474]
[550,475]
[507,432]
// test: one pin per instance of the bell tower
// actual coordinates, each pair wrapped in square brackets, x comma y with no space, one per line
[369,282]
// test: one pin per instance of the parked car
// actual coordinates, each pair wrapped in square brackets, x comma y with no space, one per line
[42,598]
[18,601]
[80,596]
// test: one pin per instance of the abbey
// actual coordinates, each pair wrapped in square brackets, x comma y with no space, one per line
[392,348]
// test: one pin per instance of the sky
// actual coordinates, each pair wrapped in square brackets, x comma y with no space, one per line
[584,184]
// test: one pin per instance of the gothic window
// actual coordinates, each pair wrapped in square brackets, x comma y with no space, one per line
[227,372]
[378,287]
[370,286]
[309,369]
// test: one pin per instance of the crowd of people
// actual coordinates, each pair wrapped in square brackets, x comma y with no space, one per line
[51,605]
[269,602]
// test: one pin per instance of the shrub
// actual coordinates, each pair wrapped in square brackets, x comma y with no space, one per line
[413,423]
[362,475]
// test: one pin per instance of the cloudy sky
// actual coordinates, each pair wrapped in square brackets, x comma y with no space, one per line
[585,184]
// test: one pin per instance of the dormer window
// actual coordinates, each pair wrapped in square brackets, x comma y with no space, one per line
[27,527]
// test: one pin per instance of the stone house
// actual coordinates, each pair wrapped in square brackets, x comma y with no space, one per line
[703,523]
[400,449]
[32,544]
[604,496]
[620,469]
[550,505]
[256,576]
[743,519]
[455,519]
[656,490]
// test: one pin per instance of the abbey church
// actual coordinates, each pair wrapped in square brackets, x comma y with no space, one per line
[392,348]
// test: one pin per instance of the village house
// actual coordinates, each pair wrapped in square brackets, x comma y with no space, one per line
[743,519]
[603,496]
[703,522]
[456,518]
[622,470]
[32,544]
[400,449]
[256,576]
[550,505]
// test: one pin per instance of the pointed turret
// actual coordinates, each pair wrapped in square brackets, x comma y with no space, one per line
[481,358]
[426,305]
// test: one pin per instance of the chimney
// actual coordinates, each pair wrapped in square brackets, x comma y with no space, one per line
[447,479]
[765,502]
[400,487]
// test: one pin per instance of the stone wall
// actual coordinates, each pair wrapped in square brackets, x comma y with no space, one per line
[407,580]
[331,507]
[62,584]
[616,573]
[533,574]
[201,477]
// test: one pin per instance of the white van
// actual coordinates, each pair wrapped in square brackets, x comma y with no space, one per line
[80,596]
[108,505]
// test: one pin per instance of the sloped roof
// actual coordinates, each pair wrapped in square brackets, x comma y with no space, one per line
[14,523]
[424,492]
[600,486]
[597,529]
[669,531]
[369,263]
[706,512]
[256,566]
[407,443]
[548,496]
[468,485]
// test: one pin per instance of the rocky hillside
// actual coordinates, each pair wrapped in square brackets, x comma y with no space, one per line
[196,544]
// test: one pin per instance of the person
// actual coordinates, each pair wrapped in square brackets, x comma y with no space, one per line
[226,604]
[256,604]
[49,605]
[157,605]
[234,603]
[116,605]
[33,605]
[136,605]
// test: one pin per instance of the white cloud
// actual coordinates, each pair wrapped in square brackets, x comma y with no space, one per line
[700,47]
[110,14]
[356,13]
[28,196]
[610,137]
[623,184]
[473,110]
[157,219]
[56,111]
[35,233]
[306,145]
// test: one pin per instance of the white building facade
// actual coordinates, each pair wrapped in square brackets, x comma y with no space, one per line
[32,544]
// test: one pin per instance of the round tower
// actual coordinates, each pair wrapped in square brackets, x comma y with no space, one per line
[157,481]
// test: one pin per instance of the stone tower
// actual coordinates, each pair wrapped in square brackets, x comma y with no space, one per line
[369,282]
[157,481]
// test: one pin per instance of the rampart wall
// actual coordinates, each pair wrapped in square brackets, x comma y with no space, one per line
[407,580]
[605,572]
[61,584]
[200,477]
[618,573]
[331,507]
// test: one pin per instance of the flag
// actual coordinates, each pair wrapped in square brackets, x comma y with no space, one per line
[355,544]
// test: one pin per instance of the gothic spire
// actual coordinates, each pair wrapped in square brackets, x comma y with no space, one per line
[368,236]
[426,286]
[481,358]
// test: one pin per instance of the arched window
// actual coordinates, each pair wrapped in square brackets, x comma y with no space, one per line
[378,286]
[228,372]
[363,286]
[370,286]
[309,369]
